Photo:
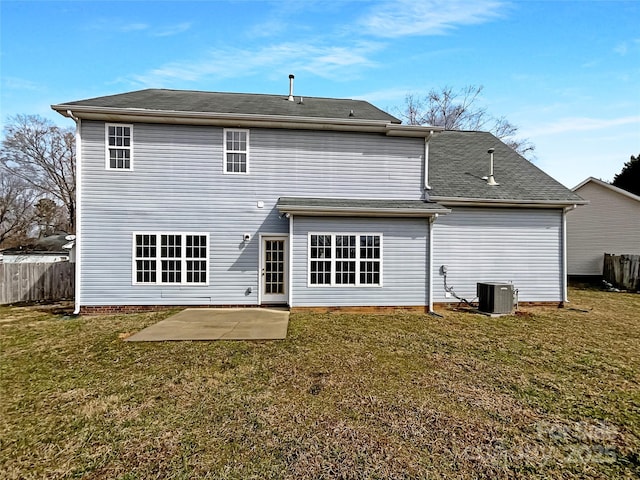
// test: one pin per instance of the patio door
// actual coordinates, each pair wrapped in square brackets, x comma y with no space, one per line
[274,269]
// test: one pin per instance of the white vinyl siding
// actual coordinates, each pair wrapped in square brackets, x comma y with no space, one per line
[610,223]
[179,185]
[119,146]
[170,258]
[403,262]
[345,259]
[236,151]
[518,245]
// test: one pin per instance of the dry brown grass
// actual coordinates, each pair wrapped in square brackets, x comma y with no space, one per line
[550,393]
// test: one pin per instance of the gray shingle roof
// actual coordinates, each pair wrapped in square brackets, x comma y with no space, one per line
[350,206]
[459,160]
[238,103]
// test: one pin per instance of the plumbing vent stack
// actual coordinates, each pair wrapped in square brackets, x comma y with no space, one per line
[291,87]
[490,180]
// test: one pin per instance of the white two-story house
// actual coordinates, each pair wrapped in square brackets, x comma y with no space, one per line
[202,198]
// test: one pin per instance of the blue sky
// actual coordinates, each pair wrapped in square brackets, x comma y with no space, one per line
[566,72]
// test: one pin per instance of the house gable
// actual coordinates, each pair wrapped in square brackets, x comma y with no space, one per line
[610,223]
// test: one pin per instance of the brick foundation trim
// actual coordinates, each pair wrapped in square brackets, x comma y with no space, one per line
[119,309]
[452,305]
[115,309]
[363,309]
[404,308]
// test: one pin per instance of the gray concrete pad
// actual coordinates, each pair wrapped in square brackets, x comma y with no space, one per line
[218,324]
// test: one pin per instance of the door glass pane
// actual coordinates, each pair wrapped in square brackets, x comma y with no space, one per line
[274,267]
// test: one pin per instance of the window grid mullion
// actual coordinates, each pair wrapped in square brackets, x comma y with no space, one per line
[333,260]
[357,260]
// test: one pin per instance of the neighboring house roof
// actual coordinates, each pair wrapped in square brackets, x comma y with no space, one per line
[458,161]
[359,207]
[43,245]
[606,185]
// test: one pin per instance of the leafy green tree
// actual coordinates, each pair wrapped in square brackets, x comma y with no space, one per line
[629,177]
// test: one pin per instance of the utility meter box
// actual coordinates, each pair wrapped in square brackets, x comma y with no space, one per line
[494,297]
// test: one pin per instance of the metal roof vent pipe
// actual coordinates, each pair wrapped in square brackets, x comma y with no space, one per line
[490,180]
[291,77]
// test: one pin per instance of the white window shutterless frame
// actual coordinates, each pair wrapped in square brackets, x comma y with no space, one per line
[118,146]
[236,151]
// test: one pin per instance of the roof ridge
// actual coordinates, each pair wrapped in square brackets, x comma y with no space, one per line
[283,95]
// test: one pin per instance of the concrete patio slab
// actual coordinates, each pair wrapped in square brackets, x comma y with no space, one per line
[218,324]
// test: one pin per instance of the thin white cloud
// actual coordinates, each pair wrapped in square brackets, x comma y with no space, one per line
[621,49]
[625,48]
[171,30]
[333,62]
[118,26]
[131,27]
[15,83]
[268,28]
[430,17]
[581,124]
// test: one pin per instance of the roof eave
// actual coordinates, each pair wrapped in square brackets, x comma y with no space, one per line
[111,114]
[490,202]
[360,212]
[613,188]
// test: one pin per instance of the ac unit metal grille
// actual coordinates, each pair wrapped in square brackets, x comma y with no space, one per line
[495,297]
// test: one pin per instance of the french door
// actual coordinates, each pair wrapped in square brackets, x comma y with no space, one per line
[274,269]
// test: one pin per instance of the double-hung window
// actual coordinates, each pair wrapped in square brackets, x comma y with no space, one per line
[171,258]
[345,259]
[119,151]
[236,151]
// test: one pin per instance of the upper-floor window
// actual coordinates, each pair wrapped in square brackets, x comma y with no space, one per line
[345,259]
[236,151]
[119,146]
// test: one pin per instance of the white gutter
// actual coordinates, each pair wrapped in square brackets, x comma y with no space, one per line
[565,272]
[489,202]
[426,161]
[78,239]
[134,115]
[362,212]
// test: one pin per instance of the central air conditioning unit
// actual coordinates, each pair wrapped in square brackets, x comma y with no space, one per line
[495,298]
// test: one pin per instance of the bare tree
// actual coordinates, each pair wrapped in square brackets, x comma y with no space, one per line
[42,155]
[49,217]
[458,110]
[16,209]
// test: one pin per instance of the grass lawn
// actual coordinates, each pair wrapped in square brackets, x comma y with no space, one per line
[548,393]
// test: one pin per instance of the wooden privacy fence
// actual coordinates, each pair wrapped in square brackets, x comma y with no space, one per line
[623,271]
[31,282]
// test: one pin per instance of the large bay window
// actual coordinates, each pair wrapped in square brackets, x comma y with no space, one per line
[345,259]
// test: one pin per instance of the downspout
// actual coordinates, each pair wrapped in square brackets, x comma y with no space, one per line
[290,260]
[78,245]
[430,263]
[426,163]
[565,273]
